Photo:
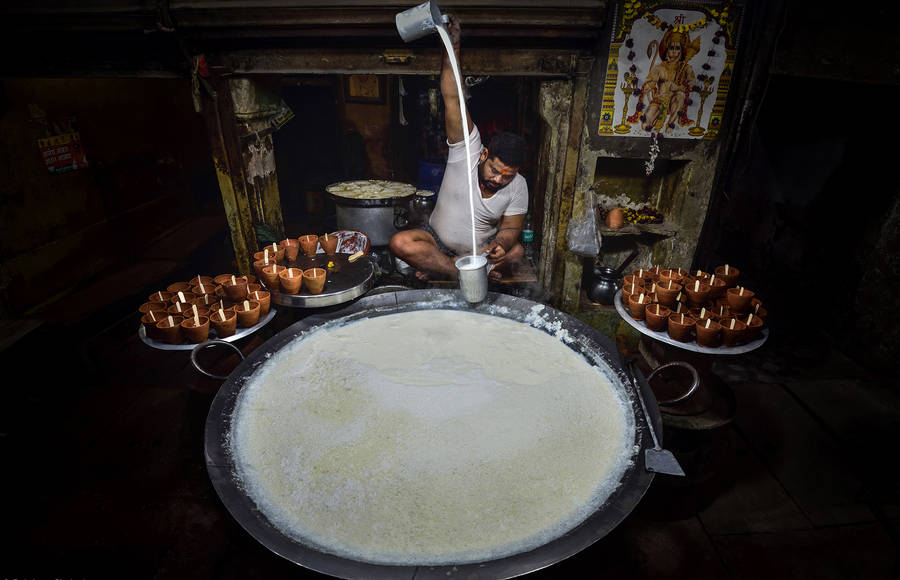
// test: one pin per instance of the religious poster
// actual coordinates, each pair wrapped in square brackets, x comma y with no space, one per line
[669,69]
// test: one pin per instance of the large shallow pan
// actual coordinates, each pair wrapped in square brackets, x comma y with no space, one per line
[595,347]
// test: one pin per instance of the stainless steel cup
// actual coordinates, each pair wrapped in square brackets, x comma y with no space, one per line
[419,21]
[473,277]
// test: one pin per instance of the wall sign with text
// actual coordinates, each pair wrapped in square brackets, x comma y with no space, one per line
[669,69]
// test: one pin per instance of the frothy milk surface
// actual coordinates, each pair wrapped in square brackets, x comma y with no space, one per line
[429,437]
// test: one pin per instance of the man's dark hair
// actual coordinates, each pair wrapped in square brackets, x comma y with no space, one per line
[508,148]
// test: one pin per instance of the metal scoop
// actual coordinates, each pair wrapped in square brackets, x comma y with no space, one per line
[657,460]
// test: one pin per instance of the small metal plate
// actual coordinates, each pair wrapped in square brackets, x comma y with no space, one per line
[239,334]
[343,283]
[691,346]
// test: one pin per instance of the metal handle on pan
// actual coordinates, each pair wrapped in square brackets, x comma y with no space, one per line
[207,344]
[689,392]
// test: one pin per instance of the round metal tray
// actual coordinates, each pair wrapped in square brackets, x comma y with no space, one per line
[691,346]
[587,341]
[342,284]
[239,334]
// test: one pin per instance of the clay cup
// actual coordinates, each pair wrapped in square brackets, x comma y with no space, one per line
[738,302]
[170,334]
[656,316]
[681,329]
[309,243]
[247,318]
[709,333]
[149,320]
[264,299]
[290,280]
[730,278]
[291,247]
[637,304]
[733,336]
[236,290]
[329,244]
[195,333]
[314,280]
[226,326]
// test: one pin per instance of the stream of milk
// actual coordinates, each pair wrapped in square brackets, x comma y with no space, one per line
[448,46]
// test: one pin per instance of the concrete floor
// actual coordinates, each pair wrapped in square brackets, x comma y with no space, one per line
[102,442]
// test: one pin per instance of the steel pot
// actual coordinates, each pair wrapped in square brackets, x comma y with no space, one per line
[379,218]
[595,347]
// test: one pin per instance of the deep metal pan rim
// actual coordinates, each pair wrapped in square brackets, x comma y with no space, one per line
[625,497]
[401,200]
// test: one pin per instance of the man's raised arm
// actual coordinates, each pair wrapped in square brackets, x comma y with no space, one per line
[452,114]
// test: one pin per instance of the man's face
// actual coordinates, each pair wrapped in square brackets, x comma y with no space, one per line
[493,174]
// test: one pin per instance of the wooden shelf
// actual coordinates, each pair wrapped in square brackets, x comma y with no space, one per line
[664,230]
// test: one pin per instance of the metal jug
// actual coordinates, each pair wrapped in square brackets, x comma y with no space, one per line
[419,21]
[604,286]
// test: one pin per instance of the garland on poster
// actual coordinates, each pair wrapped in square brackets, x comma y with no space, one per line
[669,69]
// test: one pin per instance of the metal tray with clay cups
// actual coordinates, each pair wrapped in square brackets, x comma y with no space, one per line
[663,336]
[239,334]
[346,281]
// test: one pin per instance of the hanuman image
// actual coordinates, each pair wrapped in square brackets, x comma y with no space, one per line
[668,83]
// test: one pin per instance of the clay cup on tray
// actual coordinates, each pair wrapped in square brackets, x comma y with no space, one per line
[290,279]
[730,277]
[160,296]
[717,287]
[170,333]
[150,320]
[754,327]
[291,247]
[314,280]
[697,293]
[648,276]
[632,279]
[637,303]
[733,334]
[709,333]
[329,244]
[309,243]
[656,316]
[195,333]
[273,249]
[270,276]
[757,309]
[236,288]
[739,299]
[247,313]
[630,289]
[179,287]
[224,322]
[264,299]
[203,288]
[155,306]
[198,279]
[179,308]
[681,328]
[667,292]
